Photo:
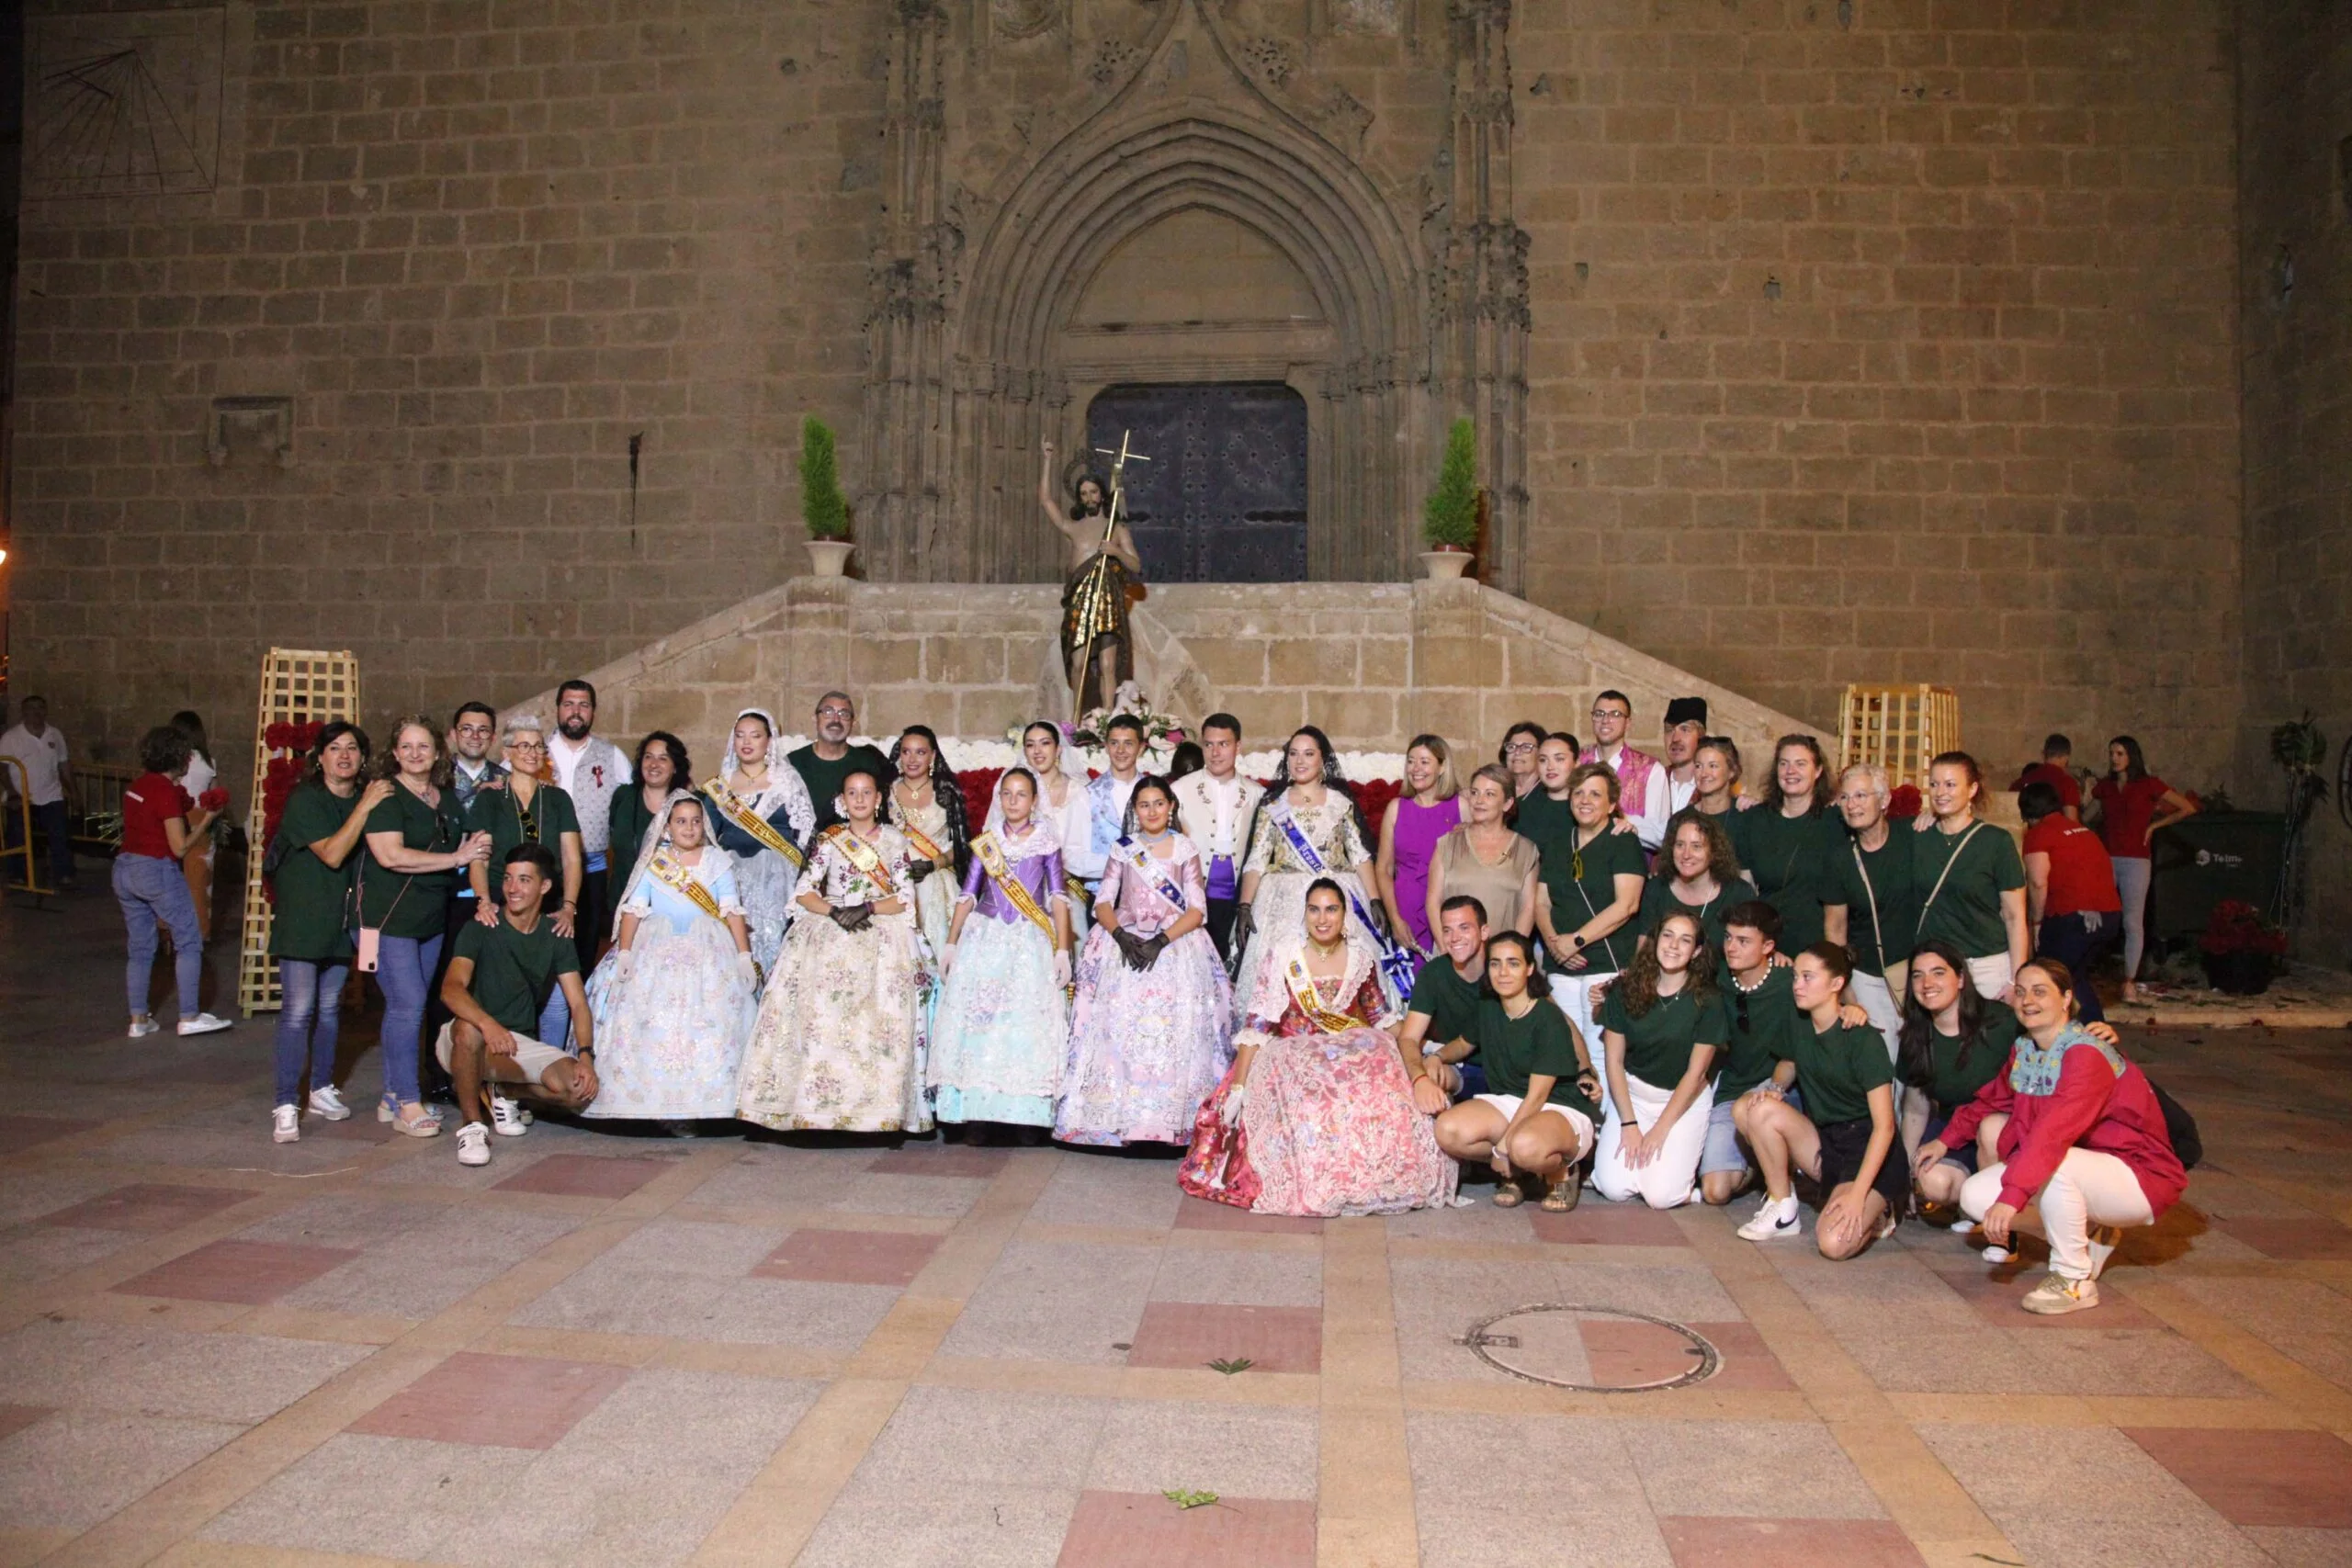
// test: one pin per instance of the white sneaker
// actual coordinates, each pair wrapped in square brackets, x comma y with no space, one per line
[1998,1254]
[141,1027]
[285,1125]
[326,1102]
[507,1117]
[1775,1217]
[202,1023]
[2056,1296]
[473,1144]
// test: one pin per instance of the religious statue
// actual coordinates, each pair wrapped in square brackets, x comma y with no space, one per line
[1105,573]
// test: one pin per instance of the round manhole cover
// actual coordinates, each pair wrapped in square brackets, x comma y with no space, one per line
[1593,1349]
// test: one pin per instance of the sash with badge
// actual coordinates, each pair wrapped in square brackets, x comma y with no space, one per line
[863,856]
[1310,1000]
[739,813]
[988,849]
[1397,966]
[679,879]
[1156,873]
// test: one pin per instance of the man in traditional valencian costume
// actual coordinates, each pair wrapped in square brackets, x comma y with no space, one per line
[1095,640]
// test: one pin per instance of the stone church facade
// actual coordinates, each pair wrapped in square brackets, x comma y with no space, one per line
[1807,341]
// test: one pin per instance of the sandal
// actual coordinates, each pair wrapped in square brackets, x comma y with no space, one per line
[1561,1196]
[1509,1194]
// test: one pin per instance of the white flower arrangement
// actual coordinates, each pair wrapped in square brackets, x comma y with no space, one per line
[967,756]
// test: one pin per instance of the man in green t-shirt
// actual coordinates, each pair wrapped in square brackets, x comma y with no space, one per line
[1435,1036]
[499,982]
[825,762]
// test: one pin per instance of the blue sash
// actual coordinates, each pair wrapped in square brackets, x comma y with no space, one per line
[1154,871]
[1397,966]
[1104,822]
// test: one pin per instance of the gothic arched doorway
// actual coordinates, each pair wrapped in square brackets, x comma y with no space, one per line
[1223,498]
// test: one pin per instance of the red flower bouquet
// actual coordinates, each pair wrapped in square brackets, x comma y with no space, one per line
[2238,927]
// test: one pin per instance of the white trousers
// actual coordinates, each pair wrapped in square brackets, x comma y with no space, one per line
[1574,993]
[1992,974]
[1877,998]
[2088,1195]
[1667,1181]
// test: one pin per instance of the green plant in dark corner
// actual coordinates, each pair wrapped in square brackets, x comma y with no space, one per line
[1449,516]
[822,506]
[2299,748]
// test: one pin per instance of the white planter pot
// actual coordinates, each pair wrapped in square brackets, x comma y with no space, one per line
[1440,565]
[828,557]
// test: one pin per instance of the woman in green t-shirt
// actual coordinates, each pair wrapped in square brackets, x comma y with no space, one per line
[1954,1043]
[417,844]
[310,934]
[1663,1025]
[1536,1115]
[1698,875]
[1969,878]
[1792,842]
[1844,1138]
[1590,892]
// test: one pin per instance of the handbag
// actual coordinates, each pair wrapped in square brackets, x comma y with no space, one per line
[2180,1126]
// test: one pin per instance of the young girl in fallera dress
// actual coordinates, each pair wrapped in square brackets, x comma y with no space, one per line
[1002,1029]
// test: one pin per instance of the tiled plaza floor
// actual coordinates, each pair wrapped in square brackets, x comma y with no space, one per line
[216,1350]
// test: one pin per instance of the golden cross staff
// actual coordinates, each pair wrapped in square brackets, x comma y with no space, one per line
[1119,460]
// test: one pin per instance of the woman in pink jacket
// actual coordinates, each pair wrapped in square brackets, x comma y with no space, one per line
[2084,1140]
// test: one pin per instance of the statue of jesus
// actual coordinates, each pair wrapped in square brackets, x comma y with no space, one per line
[1095,641]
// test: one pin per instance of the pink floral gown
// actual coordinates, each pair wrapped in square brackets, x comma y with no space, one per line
[1328,1126]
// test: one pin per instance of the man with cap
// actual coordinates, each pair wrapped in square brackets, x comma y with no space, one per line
[1686,725]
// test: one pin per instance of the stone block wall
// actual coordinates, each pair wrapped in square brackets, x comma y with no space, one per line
[1372,664]
[2296,273]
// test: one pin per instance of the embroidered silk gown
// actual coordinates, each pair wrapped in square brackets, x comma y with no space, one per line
[670,1038]
[839,1041]
[764,879]
[1280,908]
[1002,1025]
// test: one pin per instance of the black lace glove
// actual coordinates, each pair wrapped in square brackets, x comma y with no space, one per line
[1244,925]
[1131,947]
[1152,948]
[921,869]
[852,917]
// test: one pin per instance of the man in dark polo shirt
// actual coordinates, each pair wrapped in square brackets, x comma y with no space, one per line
[498,984]
[825,762]
[1445,1001]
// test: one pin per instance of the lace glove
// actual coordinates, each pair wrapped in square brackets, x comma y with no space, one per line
[852,917]
[1230,1111]
[1061,967]
[1244,925]
[624,965]
[1131,947]
[1150,949]
[748,968]
[947,960]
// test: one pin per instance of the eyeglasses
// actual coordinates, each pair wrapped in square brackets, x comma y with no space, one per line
[525,745]
[836,712]
[1519,748]
[1610,712]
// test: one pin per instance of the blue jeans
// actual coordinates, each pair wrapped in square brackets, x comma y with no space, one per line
[2067,940]
[404,970]
[152,892]
[308,1023]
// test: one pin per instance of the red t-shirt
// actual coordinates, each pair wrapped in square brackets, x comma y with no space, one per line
[2057,778]
[2081,875]
[2129,809]
[147,802]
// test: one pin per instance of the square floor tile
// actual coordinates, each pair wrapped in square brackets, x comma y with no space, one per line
[254,1272]
[585,1176]
[1145,1529]
[1595,1224]
[1199,1214]
[1193,1334]
[849,1258]
[1788,1544]
[1995,1292]
[147,1206]
[508,1401]
[16,1418]
[20,1133]
[2257,1477]
[980,1165]
[2293,1240]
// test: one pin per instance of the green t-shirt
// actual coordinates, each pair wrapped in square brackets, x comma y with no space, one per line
[1793,859]
[1576,899]
[1967,910]
[1541,1041]
[628,821]
[1892,890]
[1659,900]
[1446,999]
[501,815]
[1837,1069]
[311,920]
[401,903]
[1951,1083]
[1658,1043]
[1762,1021]
[1544,822]
[516,972]
[824,779]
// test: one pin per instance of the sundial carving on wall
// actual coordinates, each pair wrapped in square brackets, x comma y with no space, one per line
[127,103]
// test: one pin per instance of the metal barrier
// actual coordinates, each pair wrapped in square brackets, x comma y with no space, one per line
[20,801]
[97,806]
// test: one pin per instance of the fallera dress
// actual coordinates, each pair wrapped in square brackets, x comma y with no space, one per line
[1146,1046]
[1002,1029]
[1280,908]
[670,1038]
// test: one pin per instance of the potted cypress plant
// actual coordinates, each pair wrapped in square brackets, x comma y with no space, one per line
[1449,516]
[822,507]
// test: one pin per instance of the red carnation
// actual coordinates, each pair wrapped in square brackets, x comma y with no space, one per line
[215,799]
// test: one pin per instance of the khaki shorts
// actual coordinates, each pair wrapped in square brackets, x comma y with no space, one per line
[533,1056]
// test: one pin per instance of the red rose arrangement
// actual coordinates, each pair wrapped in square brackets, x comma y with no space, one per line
[2236,926]
[289,759]
[215,800]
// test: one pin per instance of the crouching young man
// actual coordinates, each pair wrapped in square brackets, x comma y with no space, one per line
[499,981]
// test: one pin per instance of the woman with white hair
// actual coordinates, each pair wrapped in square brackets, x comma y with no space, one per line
[522,808]
[761,814]
[1872,904]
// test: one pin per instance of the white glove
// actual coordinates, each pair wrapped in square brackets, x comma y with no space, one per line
[624,965]
[1061,967]
[1231,1113]
[747,968]
[947,960]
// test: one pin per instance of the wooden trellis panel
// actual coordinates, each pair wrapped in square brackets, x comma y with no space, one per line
[298,686]
[1900,728]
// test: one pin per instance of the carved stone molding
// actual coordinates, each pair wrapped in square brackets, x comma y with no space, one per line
[263,426]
